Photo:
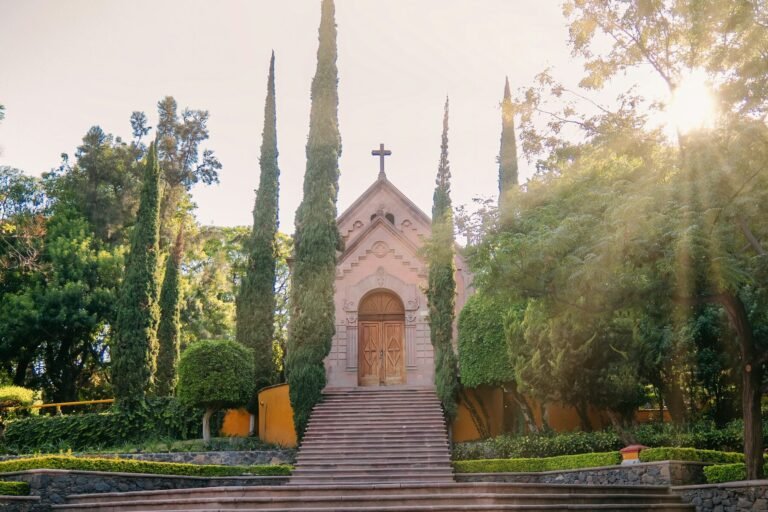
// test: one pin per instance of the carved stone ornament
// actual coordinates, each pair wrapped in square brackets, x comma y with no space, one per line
[349,305]
[412,303]
[352,318]
[380,249]
[357,224]
[410,317]
[406,223]
[381,276]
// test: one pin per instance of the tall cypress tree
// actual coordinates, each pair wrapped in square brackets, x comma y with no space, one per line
[441,291]
[169,330]
[317,236]
[256,298]
[508,150]
[134,350]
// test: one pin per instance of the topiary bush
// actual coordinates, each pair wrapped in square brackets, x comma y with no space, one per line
[725,473]
[690,454]
[215,375]
[586,460]
[156,418]
[139,466]
[14,489]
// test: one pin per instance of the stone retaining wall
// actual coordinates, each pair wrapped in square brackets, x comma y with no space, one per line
[727,497]
[18,503]
[227,458]
[54,485]
[644,473]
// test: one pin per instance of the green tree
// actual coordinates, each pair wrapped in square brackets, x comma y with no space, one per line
[317,237]
[441,291]
[134,348]
[508,149]
[215,375]
[256,297]
[169,329]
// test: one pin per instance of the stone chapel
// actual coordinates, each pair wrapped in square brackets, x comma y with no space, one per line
[382,326]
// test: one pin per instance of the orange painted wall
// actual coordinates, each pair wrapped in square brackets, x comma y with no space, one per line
[237,423]
[276,416]
[463,428]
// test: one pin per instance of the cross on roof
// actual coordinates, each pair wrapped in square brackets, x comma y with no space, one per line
[381,153]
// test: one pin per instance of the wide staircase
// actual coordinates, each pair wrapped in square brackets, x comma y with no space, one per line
[381,450]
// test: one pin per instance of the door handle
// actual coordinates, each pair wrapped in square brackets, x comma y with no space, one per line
[381,353]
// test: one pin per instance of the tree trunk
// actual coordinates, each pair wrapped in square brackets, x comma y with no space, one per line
[481,423]
[675,401]
[582,409]
[525,407]
[207,425]
[751,380]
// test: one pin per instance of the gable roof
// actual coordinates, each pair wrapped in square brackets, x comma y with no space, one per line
[378,222]
[383,182]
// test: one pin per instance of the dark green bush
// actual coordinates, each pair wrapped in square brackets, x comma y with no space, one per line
[14,489]
[701,435]
[585,460]
[690,454]
[157,418]
[542,445]
[725,473]
[139,466]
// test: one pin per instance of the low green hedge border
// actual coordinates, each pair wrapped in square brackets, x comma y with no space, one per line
[725,473]
[14,489]
[563,462]
[690,454]
[140,466]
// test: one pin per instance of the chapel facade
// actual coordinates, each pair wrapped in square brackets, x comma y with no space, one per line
[382,326]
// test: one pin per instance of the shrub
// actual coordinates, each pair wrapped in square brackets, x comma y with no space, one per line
[585,460]
[214,375]
[725,473]
[139,466]
[156,418]
[690,454]
[538,445]
[15,396]
[14,489]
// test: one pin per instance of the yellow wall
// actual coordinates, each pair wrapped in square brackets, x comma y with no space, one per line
[276,416]
[237,423]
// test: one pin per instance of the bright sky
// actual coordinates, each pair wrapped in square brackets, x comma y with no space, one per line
[65,66]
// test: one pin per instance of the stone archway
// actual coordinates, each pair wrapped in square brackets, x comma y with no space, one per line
[381,326]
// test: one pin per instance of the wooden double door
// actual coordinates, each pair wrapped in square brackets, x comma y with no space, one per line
[381,329]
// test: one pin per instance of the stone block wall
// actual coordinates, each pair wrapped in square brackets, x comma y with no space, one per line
[727,497]
[646,473]
[54,485]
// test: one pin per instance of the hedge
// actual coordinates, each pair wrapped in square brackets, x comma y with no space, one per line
[702,435]
[585,460]
[14,489]
[139,466]
[158,418]
[690,454]
[725,473]
[14,396]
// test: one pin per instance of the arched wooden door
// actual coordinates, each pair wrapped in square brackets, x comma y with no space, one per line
[381,325]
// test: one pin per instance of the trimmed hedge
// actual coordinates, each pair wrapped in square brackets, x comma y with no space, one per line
[585,460]
[14,489]
[690,454]
[139,466]
[702,435]
[158,418]
[15,396]
[725,473]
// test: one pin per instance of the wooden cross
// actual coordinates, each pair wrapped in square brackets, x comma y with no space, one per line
[381,153]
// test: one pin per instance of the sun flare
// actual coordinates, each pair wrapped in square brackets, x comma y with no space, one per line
[692,106]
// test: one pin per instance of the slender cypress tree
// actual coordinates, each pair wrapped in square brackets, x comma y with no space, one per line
[169,330]
[134,350]
[508,150]
[441,291]
[317,237]
[256,298]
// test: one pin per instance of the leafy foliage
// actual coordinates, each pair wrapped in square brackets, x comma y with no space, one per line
[586,460]
[483,344]
[134,351]
[139,466]
[508,149]
[690,454]
[169,329]
[317,237]
[720,473]
[215,375]
[15,396]
[256,297]
[14,489]
[441,288]
[158,418]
